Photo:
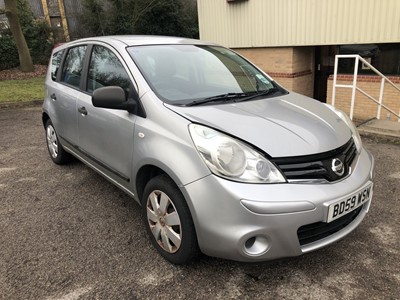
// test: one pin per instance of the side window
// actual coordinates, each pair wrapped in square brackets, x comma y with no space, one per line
[73,65]
[55,63]
[105,69]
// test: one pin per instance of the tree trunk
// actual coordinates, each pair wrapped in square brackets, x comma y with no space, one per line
[25,59]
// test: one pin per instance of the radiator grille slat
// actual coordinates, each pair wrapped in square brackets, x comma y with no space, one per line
[318,166]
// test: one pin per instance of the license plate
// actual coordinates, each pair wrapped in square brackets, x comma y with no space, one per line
[350,203]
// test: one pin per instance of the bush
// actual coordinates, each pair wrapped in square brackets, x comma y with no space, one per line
[8,53]
[38,42]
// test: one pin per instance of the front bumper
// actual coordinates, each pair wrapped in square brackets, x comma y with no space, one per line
[256,222]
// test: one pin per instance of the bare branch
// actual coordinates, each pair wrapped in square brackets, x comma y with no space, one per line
[144,10]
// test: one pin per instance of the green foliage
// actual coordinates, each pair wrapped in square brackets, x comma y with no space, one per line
[8,53]
[38,41]
[167,18]
[36,33]
[94,18]
[158,17]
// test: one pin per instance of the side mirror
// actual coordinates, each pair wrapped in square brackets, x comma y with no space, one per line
[109,97]
[113,97]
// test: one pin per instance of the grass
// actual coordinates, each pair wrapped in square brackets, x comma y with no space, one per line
[22,90]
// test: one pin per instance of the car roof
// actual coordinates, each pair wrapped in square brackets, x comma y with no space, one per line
[137,40]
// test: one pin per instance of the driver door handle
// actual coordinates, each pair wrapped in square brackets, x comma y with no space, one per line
[82,110]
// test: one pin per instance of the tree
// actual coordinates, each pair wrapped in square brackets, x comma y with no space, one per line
[166,18]
[12,14]
[159,17]
[94,18]
[126,14]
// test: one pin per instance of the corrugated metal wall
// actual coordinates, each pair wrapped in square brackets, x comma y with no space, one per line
[260,23]
[35,5]
[73,9]
[36,8]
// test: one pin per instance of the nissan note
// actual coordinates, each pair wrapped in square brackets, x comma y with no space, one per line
[222,159]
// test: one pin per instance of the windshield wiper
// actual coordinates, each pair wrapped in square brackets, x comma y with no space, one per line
[268,92]
[222,98]
[235,97]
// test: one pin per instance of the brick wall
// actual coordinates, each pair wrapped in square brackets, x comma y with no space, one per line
[292,67]
[365,108]
[274,60]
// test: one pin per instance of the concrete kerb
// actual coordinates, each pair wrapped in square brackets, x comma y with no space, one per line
[382,129]
[20,104]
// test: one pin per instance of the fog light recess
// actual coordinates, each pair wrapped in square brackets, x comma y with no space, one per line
[256,245]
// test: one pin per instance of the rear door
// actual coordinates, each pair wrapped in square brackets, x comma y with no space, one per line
[65,91]
[106,135]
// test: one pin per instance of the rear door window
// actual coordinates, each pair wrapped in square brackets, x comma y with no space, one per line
[73,66]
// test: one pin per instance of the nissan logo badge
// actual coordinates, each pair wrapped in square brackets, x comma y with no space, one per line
[337,166]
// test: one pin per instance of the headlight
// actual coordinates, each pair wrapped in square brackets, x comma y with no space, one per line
[231,158]
[350,124]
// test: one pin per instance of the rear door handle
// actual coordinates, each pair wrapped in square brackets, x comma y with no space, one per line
[82,110]
[53,97]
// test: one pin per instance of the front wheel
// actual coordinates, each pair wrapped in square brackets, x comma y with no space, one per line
[56,151]
[168,221]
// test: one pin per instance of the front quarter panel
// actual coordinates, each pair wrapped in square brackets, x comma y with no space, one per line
[163,140]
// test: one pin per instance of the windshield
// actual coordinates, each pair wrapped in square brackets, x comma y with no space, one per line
[182,74]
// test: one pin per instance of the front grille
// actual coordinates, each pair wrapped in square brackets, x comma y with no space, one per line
[316,231]
[317,166]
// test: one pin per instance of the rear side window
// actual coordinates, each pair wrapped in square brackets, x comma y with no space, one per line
[105,69]
[73,66]
[55,63]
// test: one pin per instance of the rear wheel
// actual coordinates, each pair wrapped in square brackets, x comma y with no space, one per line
[168,221]
[56,151]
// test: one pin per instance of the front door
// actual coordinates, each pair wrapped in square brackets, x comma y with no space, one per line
[106,135]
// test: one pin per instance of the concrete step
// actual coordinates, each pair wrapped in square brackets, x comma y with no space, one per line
[382,128]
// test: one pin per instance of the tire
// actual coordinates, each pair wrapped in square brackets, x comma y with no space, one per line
[56,151]
[168,221]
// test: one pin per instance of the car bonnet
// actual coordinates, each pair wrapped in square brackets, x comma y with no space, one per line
[289,125]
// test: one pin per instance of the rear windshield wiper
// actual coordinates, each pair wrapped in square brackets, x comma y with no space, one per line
[221,98]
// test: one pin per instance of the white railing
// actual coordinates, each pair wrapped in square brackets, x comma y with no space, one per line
[355,88]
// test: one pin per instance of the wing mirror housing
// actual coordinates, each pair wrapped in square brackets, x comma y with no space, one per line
[114,97]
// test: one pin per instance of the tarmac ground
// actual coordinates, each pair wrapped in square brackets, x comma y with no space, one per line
[67,233]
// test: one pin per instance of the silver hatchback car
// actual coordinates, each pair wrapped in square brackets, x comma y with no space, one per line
[221,158]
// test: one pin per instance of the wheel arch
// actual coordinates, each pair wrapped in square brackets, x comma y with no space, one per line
[148,171]
[45,118]
[144,175]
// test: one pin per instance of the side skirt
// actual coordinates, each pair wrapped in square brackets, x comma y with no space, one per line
[108,173]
